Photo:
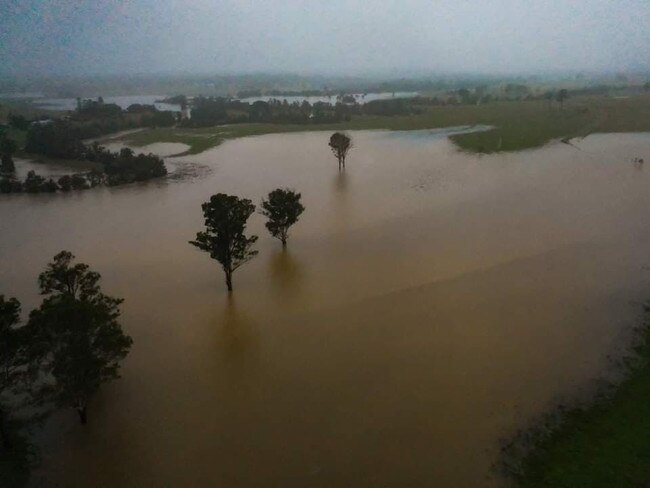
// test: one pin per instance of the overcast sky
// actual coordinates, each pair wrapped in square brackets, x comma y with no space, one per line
[329,36]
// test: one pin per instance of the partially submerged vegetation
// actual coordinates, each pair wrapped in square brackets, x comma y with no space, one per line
[70,346]
[601,445]
[60,140]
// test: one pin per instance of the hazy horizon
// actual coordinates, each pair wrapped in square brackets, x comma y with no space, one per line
[344,38]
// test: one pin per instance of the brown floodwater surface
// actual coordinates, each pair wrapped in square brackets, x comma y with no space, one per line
[429,304]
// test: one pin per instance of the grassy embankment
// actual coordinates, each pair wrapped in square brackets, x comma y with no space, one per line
[604,445]
[517,125]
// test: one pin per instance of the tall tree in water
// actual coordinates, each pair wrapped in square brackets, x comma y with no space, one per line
[224,238]
[76,333]
[340,144]
[283,209]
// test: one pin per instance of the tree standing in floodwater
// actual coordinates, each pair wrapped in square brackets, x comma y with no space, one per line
[340,144]
[283,209]
[76,338]
[224,238]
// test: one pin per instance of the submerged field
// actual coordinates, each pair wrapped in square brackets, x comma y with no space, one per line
[431,303]
[517,124]
[601,444]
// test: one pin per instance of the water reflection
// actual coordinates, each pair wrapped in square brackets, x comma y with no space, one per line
[286,273]
[237,343]
[341,183]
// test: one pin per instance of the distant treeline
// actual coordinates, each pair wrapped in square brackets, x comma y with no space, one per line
[94,118]
[208,111]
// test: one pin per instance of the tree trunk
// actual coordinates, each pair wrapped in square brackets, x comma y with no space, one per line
[83,415]
[4,434]
[229,280]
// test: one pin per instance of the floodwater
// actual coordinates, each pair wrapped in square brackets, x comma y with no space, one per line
[429,304]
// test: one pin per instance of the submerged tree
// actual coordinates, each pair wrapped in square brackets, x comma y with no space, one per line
[76,335]
[283,209]
[224,238]
[340,144]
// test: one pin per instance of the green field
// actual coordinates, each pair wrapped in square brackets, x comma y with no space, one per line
[604,445]
[517,124]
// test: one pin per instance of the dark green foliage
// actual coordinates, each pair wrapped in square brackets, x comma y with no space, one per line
[130,168]
[78,339]
[33,182]
[16,371]
[79,182]
[120,168]
[208,111]
[175,100]
[7,164]
[62,278]
[7,149]
[49,186]
[340,144]
[10,185]
[159,119]
[283,209]
[125,166]
[224,238]
[397,106]
[98,109]
[56,139]
[13,355]
[19,122]
[65,183]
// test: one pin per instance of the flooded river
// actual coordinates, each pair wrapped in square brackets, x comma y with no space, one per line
[430,303]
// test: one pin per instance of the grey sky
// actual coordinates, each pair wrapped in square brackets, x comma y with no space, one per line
[313,36]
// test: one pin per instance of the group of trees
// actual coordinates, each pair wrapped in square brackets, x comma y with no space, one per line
[97,116]
[70,345]
[118,168]
[35,183]
[125,166]
[225,216]
[59,140]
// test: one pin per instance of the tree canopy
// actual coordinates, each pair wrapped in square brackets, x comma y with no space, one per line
[224,238]
[340,144]
[77,337]
[283,209]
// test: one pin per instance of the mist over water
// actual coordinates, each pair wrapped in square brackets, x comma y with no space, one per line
[430,302]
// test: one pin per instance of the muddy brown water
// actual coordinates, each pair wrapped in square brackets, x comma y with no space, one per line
[430,303]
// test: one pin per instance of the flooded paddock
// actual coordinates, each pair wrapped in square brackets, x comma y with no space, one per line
[430,303]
